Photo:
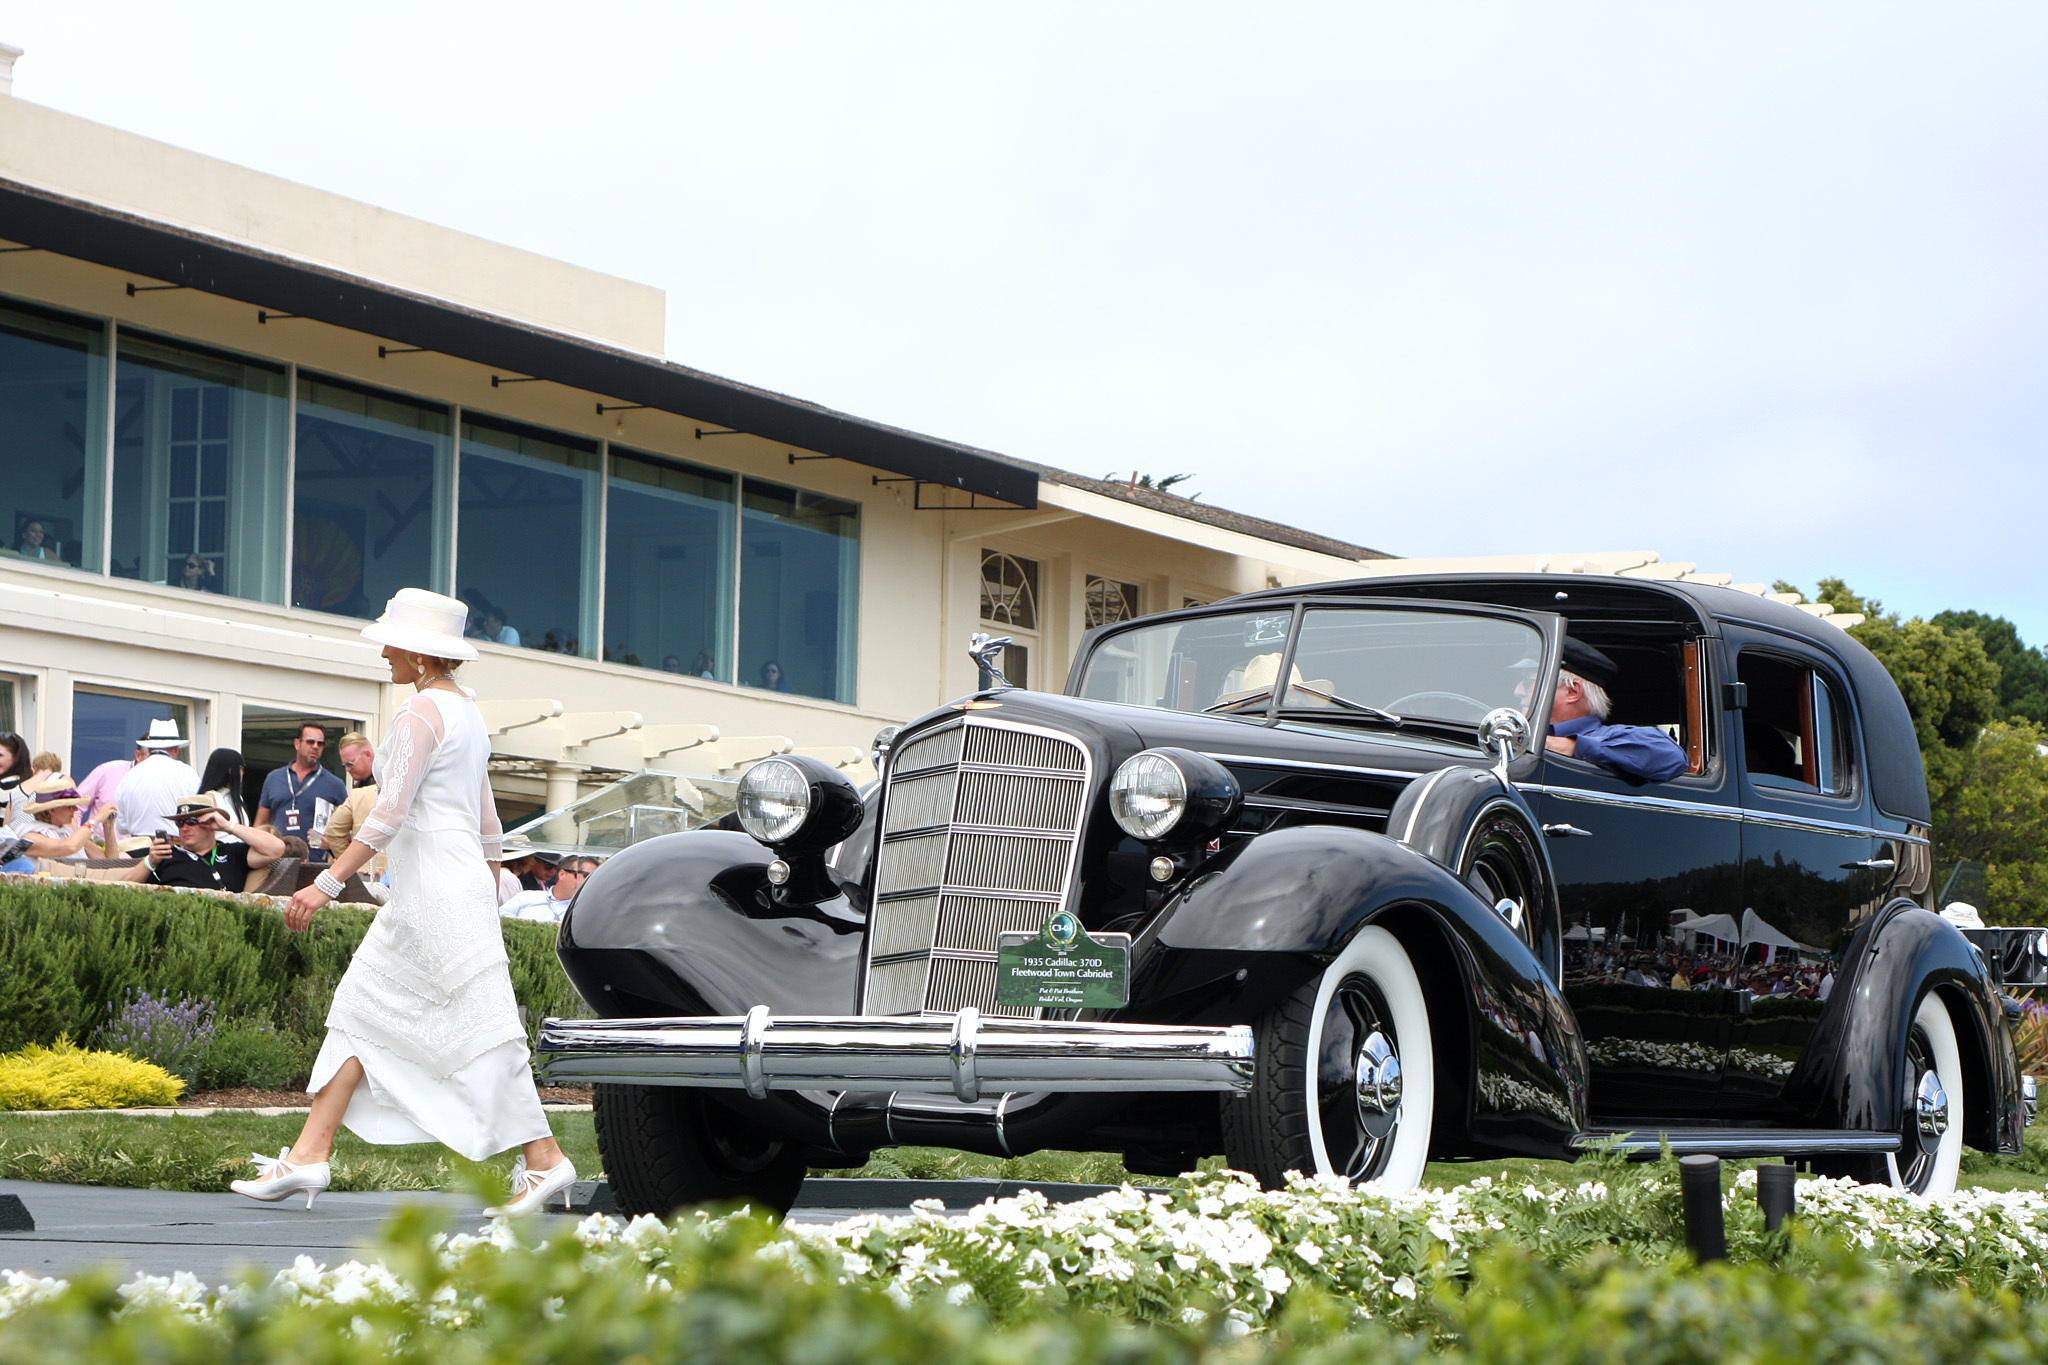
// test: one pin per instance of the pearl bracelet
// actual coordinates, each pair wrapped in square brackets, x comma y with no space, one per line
[330,885]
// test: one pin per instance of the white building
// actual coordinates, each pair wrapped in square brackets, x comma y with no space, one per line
[236,413]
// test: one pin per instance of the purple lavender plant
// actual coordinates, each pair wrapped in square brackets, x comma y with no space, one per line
[175,1037]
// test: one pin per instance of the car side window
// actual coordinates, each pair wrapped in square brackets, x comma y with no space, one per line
[1794,727]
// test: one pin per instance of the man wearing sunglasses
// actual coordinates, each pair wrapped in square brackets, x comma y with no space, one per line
[197,857]
[293,795]
[549,904]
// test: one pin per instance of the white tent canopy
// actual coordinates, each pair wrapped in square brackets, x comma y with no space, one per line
[1721,928]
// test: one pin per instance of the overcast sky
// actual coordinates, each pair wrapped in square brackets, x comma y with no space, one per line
[1763,287]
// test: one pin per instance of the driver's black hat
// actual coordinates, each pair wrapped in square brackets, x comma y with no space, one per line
[1589,663]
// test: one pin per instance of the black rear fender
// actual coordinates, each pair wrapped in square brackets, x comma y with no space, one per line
[1853,1072]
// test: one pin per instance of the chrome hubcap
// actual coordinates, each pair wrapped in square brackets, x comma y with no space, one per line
[1930,1110]
[1379,1086]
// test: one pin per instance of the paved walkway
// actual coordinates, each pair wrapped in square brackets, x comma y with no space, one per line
[79,1227]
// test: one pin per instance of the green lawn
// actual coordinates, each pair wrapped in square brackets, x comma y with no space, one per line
[205,1153]
[168,1153]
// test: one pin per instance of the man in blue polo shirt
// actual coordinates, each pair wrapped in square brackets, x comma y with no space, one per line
[291,794]
[1579,728]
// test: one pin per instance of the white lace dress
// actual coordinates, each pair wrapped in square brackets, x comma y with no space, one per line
[427,1005]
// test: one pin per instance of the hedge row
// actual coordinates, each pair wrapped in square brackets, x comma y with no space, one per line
[72,953]
[736,1290]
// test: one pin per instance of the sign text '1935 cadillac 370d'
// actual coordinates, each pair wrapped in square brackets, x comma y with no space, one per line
[1344,923]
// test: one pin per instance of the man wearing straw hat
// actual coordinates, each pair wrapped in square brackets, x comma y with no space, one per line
[197,858]
[153,787]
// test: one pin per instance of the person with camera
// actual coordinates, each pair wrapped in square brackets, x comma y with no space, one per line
[198,858]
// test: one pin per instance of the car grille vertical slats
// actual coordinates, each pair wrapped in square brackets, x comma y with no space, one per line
[981,828]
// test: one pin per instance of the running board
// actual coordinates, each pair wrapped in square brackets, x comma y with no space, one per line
[1737,1142]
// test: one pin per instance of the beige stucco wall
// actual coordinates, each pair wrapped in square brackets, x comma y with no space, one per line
[86,160]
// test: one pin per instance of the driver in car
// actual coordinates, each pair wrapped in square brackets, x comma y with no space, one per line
[1579,728]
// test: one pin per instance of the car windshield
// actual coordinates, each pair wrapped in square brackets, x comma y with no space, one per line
[1384,664]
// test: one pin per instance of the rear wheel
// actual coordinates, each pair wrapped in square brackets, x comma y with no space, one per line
[1345,1080]
[668,1147]
[1930,1127]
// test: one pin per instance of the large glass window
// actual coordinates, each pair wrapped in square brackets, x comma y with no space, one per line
[52,443]
[799,585]
[199,462]
[370,493]
[668,567]
[526,536]
[105,726]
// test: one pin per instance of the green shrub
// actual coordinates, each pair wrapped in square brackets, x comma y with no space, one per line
[253,1052]
[66,1076]
[72,953]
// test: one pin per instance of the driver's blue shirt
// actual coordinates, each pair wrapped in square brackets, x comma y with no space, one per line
[1637,751]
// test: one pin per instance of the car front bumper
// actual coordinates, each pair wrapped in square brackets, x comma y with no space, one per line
[965,1054]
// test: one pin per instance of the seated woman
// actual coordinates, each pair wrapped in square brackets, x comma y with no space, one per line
[54,829]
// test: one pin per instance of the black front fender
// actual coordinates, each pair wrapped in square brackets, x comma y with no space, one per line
[1243,936]
[684,925]
[1853,1072]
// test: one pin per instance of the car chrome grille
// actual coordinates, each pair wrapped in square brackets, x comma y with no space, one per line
[981,828]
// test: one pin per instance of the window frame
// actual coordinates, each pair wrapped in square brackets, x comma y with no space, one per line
[1846,728]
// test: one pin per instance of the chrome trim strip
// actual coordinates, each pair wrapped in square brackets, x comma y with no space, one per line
[1740,1142]
[1294,763]
[927,1054]
[1740,814]
[1415,811]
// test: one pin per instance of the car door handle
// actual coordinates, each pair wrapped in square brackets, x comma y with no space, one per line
[1872,865]
[1567,832]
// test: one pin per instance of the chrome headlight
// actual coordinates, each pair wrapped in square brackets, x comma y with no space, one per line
[1148,795]
[774,800]
[1173,792]
[797,804]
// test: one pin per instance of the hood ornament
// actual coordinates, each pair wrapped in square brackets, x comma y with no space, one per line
[987,652]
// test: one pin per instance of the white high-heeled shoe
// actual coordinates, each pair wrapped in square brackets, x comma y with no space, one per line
[531,1189]
[277,1178]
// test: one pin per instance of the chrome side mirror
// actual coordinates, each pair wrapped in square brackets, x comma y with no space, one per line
[1506,731]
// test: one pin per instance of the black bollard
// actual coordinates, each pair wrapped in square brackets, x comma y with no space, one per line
[1776,1194]
[1699,1185]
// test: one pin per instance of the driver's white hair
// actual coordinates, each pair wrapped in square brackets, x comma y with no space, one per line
[1596,695]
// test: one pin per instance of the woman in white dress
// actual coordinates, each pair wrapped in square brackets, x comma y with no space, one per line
[424,1042]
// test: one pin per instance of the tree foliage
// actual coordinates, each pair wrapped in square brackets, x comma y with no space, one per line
[2022,670]
[1996,813]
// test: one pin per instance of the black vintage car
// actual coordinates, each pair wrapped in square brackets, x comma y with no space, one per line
[1371,918]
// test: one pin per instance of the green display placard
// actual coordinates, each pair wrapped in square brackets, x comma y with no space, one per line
[1063,967]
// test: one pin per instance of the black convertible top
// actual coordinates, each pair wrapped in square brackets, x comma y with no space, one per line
[1898,783]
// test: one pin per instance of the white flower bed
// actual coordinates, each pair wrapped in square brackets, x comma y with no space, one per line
[1220,1245]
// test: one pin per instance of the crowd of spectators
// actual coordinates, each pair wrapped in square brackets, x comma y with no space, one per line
[1675,970]
[177,826]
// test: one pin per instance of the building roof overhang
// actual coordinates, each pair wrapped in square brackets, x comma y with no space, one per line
[33,217]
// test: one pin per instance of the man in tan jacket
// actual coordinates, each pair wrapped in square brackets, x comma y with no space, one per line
[348,817]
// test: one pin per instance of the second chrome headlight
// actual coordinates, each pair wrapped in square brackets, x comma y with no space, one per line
[1148,795]
[1173,795]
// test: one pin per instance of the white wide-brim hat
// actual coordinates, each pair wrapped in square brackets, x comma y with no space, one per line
[422,622]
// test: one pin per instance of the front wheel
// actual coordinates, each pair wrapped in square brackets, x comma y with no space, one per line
[667,1148]
[1930,1129]
[1345,1080]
